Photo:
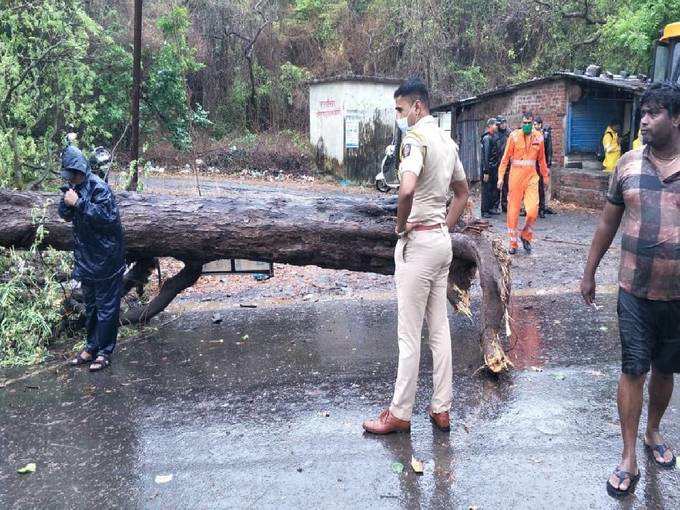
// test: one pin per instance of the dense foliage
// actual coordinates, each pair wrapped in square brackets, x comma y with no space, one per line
[237,65]
[31,300]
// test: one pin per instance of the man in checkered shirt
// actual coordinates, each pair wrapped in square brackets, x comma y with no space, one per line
[644,199]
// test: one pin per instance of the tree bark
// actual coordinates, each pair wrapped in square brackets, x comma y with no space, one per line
[332,231]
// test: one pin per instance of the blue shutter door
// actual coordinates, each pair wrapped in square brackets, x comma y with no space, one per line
[589,119]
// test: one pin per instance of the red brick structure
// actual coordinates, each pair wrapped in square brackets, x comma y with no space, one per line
[577,108]
[547,99]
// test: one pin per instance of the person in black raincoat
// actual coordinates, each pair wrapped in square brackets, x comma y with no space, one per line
[489,165]
[544,187]
[99,253]
[501,140]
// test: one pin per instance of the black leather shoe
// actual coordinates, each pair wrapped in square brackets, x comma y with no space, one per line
[548,210]
[527,245]
[512,251]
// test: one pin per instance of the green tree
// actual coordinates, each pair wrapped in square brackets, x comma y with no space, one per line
[46,84]
[630,32]
[166,96]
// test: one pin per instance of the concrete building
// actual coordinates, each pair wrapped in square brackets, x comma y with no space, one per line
[351,121]
[577,107]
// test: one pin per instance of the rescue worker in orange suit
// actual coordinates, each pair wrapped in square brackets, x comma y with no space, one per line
[525,148]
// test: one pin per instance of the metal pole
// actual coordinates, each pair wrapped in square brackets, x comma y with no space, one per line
[136,84]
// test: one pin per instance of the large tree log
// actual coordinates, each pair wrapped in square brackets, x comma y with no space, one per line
[337,231]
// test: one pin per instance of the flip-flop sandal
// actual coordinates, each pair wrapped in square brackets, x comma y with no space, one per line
[100,363]
[661,450]
[623,475]
[80,359]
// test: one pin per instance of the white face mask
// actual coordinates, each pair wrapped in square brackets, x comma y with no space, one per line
[402,123]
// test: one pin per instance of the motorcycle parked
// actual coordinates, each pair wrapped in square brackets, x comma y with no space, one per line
[100,158]
[388,177]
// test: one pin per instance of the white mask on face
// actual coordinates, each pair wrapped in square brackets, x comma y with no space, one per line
[402,123]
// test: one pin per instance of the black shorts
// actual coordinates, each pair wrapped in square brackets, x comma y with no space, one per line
[650,334]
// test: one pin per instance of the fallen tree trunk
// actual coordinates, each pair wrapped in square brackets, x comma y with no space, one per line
[337,232]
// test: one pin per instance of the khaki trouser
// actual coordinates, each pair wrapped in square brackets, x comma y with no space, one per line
[422,262]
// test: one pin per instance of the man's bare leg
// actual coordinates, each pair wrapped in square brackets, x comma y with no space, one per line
[629,402]
[660,392]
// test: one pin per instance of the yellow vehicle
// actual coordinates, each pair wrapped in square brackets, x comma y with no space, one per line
[666,65]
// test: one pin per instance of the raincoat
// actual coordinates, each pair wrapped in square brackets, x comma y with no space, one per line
[637,143]
[99,253]
[98,245]
[612,149]
[523,153]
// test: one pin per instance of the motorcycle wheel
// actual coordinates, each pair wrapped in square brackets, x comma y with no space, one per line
[382,186]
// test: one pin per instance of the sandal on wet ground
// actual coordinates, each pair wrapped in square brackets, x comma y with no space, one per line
[100,363]
[623,475]
[661,450]
[80,359]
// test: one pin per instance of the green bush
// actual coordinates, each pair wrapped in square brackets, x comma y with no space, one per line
[31,300]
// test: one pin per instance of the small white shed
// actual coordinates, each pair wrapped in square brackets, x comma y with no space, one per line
[351,120]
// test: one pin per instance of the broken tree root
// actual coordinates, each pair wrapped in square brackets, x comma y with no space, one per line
[170,289]
[484,254]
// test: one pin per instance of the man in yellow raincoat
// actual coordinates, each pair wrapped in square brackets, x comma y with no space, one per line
[612,146]
[637,143]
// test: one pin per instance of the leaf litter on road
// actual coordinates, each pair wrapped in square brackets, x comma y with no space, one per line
[161,479]
[27,469]
[417,465]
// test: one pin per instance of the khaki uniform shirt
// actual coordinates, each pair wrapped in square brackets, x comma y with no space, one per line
[430,153]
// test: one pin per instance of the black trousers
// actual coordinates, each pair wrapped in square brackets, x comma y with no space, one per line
[102,306]
[490,191]
[541,193]
[650,334]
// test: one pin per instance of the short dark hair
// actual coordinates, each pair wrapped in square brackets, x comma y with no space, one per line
[528,115]
[538,119]
[414,89]
[615,122]
[665,94]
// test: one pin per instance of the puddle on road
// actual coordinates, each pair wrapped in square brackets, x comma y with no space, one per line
[265,409]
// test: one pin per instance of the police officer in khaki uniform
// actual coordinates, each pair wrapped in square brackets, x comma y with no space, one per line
[429,167]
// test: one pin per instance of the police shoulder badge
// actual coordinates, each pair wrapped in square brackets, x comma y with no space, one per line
[405,150]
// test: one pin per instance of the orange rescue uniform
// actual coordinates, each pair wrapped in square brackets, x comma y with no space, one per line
[523,152]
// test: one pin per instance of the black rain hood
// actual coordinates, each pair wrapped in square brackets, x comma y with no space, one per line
[73,159]
[98,245]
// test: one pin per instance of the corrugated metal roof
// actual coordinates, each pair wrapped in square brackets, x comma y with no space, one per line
[632,85]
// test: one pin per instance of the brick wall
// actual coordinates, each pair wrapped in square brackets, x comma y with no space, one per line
[547,99]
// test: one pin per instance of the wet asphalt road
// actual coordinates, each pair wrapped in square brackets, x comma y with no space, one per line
[273,420]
